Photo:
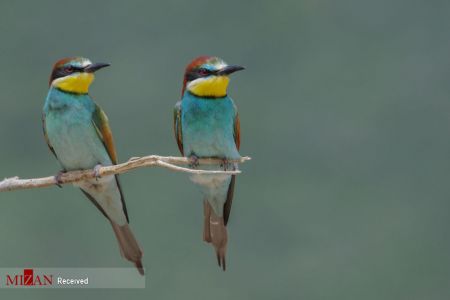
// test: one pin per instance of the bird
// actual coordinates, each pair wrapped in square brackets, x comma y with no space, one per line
[206,125]
[77,132]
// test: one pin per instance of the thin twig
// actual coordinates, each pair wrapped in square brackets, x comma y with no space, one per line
[169,162]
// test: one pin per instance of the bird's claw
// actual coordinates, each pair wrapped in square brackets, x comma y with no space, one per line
[97,171]
[193,162]
[225,163]
[58,179]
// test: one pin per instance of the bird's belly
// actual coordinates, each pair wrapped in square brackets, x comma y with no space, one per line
[212,182]
[75,141]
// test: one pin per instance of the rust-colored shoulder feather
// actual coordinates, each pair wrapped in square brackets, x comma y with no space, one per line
[237,131]
[101,124]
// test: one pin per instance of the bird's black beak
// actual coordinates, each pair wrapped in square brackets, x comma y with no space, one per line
[229,70]
[94,67]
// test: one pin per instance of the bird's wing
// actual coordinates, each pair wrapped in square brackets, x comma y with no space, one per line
[101,124]
[237,141]
[229,202]
[237,131]
[44,128]
[177,126]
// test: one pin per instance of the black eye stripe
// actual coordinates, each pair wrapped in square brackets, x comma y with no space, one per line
[191,76]
[64,71]
[72,69]
[67,70]
[203,71]
[198,73]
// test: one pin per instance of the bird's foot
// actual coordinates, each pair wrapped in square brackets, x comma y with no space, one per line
[193,161]
[225,164]
[58,178]
[97,171]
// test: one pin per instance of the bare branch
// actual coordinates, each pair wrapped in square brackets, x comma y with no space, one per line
[169,162]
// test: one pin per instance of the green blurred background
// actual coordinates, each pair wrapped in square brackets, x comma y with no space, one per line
[345,109]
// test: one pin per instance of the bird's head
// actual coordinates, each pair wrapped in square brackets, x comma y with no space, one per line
[74,74]
[208,76]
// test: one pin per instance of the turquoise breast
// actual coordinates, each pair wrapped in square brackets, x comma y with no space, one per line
[208,127]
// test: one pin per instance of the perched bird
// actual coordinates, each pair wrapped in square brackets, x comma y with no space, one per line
[77,132]
[206,125]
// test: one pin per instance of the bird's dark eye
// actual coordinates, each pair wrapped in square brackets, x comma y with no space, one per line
[69,69]
[203,72]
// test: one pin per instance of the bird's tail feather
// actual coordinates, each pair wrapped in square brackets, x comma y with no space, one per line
[215,232]
[129,247]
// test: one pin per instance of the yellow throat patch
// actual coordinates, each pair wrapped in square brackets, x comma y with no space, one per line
[214,86]
[76,83]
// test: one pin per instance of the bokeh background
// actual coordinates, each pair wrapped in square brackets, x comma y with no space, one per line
[345,109]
